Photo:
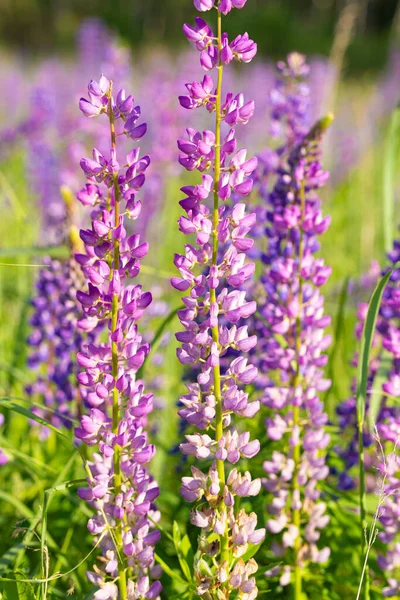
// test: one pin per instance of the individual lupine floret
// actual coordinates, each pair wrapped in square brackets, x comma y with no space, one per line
[291,305]
[211,271]
[121,489]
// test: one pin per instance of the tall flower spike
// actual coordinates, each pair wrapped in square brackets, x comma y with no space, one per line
[292,341]
[55,337]
[54,340]
[211,272]
[120,487]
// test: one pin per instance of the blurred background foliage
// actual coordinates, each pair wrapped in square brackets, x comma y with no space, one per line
[37,26]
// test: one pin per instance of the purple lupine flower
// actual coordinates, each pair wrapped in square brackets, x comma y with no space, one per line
[54,339]
[211,272]
[385,360]
[120,487]
[290,328]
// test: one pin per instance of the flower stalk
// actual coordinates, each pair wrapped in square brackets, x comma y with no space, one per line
[212,272]
[120,487]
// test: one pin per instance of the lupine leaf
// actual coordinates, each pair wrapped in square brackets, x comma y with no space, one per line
[30,415]
[361,398]
[91,594]
[8,557]
[175,576]
[376,392]
[181,556]
[366,343]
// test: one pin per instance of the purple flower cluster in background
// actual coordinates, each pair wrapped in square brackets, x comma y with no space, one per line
[212,271]
[384,386]
[290,327]
[54,340]
[120,487]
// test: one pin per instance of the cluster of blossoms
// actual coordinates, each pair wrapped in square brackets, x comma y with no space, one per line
[120,487]
[289,101]
[290,327]
[54,340]
[212,271]
[384,378]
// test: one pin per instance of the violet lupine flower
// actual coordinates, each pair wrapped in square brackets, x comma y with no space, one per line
[290,329]
[54,339]
[212,271]
[386,359]
[290,102]
[120,487]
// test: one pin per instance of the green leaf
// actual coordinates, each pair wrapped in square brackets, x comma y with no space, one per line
[174,576]
[65,485]
[181,556]
[252,551]
[376,392]
[366,343]
[157,339]
[10,589]
[186,549]
[91,594]
[361,398]
[52,251]
[19,506]
[9,556]
[30,415]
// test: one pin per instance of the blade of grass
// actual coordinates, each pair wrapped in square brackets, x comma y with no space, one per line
[13,406]
[59,487]
[377,393]
[361,398]
[52,251]
[157,339]
[390,178]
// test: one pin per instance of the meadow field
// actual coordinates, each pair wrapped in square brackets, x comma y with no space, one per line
[255,454]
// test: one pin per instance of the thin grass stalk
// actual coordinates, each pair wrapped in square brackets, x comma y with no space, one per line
[361,397]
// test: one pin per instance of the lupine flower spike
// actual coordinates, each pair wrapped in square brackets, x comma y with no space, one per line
[120,487]
[55,337]
[211,272]
[291,326]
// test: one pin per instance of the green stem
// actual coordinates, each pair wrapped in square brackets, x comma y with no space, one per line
[114,354]
[362,501]
[224,538]
[297,585]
